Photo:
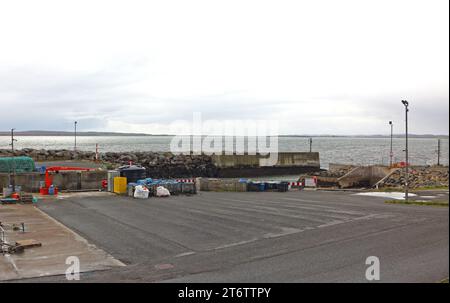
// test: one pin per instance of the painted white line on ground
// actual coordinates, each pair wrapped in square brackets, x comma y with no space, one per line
[185,254]
[393,195]
[236,244]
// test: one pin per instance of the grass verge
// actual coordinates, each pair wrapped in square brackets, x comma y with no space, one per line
[401,189]
[430,188]
[442,203]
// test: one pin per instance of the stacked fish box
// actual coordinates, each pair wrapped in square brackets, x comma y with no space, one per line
[256,186]
[188,188]
[262,186]
[220,185]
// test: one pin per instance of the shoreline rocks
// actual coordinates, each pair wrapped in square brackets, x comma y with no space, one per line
[429,176]
[162,165]
[419,177]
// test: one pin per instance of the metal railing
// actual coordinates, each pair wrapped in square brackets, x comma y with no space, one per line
[2,235]
[4,246]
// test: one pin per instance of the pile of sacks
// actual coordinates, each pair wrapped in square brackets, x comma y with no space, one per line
[142,192]
[159,187]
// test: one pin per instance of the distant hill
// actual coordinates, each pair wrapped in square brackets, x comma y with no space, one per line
[370,136]
[64,133]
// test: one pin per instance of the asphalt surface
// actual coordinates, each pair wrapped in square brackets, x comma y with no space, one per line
[298,236]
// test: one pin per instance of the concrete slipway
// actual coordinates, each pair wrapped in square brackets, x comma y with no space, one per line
[58,243]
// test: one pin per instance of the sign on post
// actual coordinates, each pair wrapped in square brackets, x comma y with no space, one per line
[311,182]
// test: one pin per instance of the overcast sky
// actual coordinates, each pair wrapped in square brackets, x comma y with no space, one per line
[319,67]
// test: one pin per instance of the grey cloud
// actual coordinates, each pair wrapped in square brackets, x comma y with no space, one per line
[52,99]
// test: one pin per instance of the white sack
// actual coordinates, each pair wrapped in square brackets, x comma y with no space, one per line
[141,192]
[162,192]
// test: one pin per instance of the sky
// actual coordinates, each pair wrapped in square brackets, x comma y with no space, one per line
[316,67]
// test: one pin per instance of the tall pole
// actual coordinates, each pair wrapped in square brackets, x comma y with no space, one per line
[439,152]
[75,126]
[406,104]
[13,176]
[310,145]
[12,139]
[391,154]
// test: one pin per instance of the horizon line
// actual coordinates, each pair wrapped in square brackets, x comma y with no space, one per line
[84,133]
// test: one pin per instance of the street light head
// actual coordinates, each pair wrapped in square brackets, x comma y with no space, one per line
[390,122]
[405,103]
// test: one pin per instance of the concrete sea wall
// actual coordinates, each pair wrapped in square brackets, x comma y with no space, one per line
[297,159]
[253,165]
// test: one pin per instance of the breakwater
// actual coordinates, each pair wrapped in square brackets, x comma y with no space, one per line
[346,150]
[166,164]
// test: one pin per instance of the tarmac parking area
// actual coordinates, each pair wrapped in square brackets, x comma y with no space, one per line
[297,236]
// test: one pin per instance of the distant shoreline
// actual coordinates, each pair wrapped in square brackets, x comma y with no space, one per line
[114,134]
[81,134]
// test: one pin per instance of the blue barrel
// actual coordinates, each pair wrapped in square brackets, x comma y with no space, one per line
[262,186]
[51,190]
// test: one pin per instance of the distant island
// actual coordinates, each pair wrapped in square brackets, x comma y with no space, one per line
[66,133]
[370,136]
[118,134]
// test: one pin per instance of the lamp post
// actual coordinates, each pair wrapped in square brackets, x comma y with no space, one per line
[13,175]
[12,139]
[75,126]
[310,145]
[406,104]
[391,154]
[439,153]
